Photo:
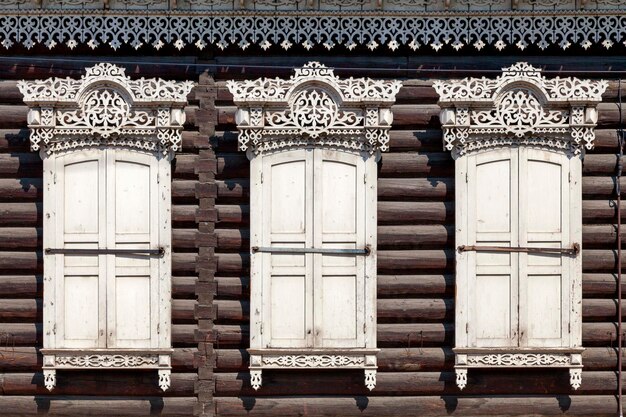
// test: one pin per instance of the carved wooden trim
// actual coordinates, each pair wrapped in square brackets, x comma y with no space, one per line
[520,107]
[314,107]
[105,107]
[414,28]
[489,358]
[313,359]
[59,359]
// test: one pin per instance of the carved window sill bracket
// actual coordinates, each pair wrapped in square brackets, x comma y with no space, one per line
[76,359]
[499,358]
[261,359]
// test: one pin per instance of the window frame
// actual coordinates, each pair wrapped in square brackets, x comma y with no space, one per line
[520,109]
[102,112]
[272,117]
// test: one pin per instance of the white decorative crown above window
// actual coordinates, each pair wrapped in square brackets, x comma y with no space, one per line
[313,141]
[107,143]
[518,142]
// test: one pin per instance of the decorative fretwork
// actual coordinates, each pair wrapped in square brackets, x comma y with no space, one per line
[414,28]
[481,358]
[521,107]
[105,107]
[273,359]
[314,107]
[59,359]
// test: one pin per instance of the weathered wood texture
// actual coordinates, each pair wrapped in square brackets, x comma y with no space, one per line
[22,391]
[415,287]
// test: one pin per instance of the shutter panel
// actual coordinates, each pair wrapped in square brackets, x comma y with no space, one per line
[80,224]
[544,222]
[287,196]
[339,224]
[132,223]
[492,221]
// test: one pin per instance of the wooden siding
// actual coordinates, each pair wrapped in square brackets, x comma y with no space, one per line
[415,286]
[98,392]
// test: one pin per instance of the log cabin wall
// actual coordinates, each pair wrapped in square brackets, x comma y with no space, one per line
[415,265]
[80,393]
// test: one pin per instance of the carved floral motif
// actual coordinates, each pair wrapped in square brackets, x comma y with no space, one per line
[106,361]
[519,107]
[519,359]
[105,107]
[314,107]
[313,361]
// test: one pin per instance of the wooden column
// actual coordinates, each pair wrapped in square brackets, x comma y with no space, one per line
[206,192]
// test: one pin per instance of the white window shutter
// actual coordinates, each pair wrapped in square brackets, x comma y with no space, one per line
[518,142]
[313,141]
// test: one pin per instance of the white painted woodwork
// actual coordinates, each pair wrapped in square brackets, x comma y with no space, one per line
[515,303]
[109,306]
[312,304]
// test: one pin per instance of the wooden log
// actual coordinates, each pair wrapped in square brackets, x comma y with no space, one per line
[110,382]
[22,359]
[21,310]
[415,236]
[184,166]
[601,285]
[410,261]
[20,164]
[184,190]
[232,287]
[183,311]
[415,285]
[31,214]
[417,359]
[415,212]
[13,116]
[480,382]
[601,211]
[428,406]
[232,214]
[21,238]
[14,140]
[52,405]
[406,189]
[31,286]
[417,335]
[21,190]
[21,286]
[29,334]
[409,164]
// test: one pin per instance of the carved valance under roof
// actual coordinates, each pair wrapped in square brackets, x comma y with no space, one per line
[314,107]
[519,107]
[105,107]
[446,25]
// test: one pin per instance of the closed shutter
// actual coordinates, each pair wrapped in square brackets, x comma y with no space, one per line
[108,200]
[519,197]
[313,198]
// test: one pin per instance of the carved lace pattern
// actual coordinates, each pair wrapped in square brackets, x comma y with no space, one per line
[313,361]
[328,29]
[521,107]
[107,361]
[314,108]
[519,359]
[105,107]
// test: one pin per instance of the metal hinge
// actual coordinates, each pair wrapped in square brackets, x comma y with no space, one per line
[261,178]
[54,328]
[54,177]
[466,327]
[569,177]
[364,178]
[261,328]
[364,328]
[158,178]
[158,328]
[466,179]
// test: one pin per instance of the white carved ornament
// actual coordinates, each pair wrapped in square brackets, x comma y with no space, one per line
[520,107]
[314,107]
[105,107]
[414,29]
